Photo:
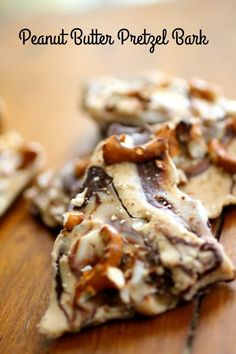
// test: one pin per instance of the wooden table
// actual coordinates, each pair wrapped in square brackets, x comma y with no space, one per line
[41,87]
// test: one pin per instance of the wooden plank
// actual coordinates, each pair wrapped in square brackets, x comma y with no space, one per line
[24,280]
[150,336]
[217,326]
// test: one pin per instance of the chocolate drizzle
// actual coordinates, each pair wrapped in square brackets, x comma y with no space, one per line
[152,179]
[216,259]
[59,287]
[97,180]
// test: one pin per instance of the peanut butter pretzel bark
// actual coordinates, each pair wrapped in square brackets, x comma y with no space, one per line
[19,162]
[133,243]
[153,98]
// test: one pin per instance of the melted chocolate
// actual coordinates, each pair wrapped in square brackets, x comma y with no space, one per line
[164,283]
[151,179]
[153,255]
[96,180]
[217,257]
[59,287]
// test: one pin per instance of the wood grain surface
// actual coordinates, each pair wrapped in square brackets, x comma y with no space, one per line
[41,87]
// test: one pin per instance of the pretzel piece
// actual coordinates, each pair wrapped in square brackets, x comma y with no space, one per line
[114,151]
[221,157]
[97,279]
